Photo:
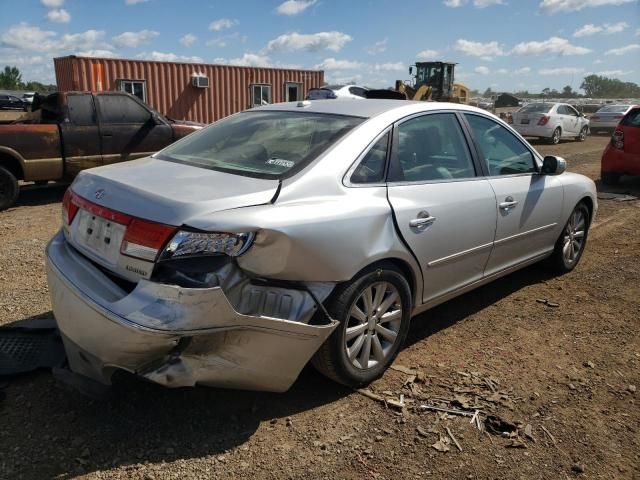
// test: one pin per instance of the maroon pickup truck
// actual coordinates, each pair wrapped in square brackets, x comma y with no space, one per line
[71,131]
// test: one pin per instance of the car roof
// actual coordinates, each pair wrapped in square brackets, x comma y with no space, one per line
[358,108]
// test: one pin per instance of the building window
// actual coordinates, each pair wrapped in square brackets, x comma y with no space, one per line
[134,87]
[292,92]
[260,95]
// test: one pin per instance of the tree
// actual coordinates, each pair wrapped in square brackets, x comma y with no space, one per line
[487,93]
[11,78]
[598,86]
[567,92]
[546,91]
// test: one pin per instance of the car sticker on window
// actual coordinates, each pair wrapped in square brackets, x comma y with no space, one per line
[280,162]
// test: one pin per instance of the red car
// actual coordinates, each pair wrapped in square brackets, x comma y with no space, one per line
[622,154]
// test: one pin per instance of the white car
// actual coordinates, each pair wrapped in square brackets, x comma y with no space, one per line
[608,117]
[551,121]
[338,91]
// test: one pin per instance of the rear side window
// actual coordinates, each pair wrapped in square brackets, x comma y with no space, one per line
[320,94]
[371,168]
[358,91]
[432,147]
[632,119]
[121,109]
[81,109]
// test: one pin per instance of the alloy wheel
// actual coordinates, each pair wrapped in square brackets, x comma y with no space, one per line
[574,236]
[373,325]
[583,134]
[556,136]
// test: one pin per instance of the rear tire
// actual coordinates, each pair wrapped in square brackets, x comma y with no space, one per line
[609,178]
[572,241]
[554,139]
[9,188]
[366,336]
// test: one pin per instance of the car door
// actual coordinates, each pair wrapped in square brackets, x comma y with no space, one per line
[569,122]
[577,120]
[444,211]
[80,135]
[529,204]
[128,130]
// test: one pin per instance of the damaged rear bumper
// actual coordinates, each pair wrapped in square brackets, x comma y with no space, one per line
[171,335]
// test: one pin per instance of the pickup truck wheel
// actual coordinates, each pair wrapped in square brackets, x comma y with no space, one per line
[8,188]
[374,311]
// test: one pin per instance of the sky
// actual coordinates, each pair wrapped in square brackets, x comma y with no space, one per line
[507,45]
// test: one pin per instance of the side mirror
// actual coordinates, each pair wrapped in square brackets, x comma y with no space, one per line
[155,119]
[552,165]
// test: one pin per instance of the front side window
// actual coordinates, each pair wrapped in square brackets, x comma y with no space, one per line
[260,95]
[261,144]
[371,167]
[120,109]
[81,110]
[501,151]
[432,147]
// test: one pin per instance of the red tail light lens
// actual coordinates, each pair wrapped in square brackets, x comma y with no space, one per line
[69,209]
[543,120]
[617,139]
[145,239]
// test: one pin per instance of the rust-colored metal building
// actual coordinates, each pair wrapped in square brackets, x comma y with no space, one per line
[187,91]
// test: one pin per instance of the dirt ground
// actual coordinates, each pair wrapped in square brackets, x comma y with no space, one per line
[558,357]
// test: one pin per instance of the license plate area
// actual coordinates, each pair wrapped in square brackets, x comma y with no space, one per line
[100,236]
[524,121]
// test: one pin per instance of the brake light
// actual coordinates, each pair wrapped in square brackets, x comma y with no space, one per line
[543,120]
[617,139]
[144,239]
[69,209]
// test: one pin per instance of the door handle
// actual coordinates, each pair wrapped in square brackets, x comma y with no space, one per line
[508,204]
[423,220]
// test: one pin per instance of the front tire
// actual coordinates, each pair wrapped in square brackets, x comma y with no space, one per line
[374,311]
[572,241]
[554,139]
[583,134]
[9,188]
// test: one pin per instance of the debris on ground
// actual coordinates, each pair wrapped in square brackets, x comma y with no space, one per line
[616,197]
[499,426]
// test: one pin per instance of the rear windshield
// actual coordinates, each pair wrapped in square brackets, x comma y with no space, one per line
[536,108]
[613,109]
[632,118]
[261,144]
[320,94]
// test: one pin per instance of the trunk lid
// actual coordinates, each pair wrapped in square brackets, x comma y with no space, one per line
[169,193]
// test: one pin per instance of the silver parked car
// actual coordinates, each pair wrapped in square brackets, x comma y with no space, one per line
[608,117]
[298,231]
[551,121]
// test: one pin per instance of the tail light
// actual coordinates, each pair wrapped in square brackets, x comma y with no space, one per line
[69,209]
[617,139]
[142,239]
[543,120]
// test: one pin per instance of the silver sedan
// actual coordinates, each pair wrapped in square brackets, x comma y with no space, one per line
[310,231]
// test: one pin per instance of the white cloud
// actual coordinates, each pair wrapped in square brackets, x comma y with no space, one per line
[560,71]
[597,62]
[222,24]
[522,71]
[24,36]
[333,64]
[58,16]
[294,7]
[623,50]
[607,28]
[476,3]
[169,57]
[389,67]
[98,54]
[554,45]
[554,6]
[313,42]
[427,54]
[254,60]
[586,30]
[188,39]
[134,39]
[482,70]
[502,71]
[478,49]
[52,3]
[224,40]
[378,47]
[134,2]
[615,73]
[637,32]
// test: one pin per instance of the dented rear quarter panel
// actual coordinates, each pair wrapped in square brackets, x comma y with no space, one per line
[36,147]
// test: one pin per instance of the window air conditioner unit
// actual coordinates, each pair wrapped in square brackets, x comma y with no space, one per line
[200,81]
